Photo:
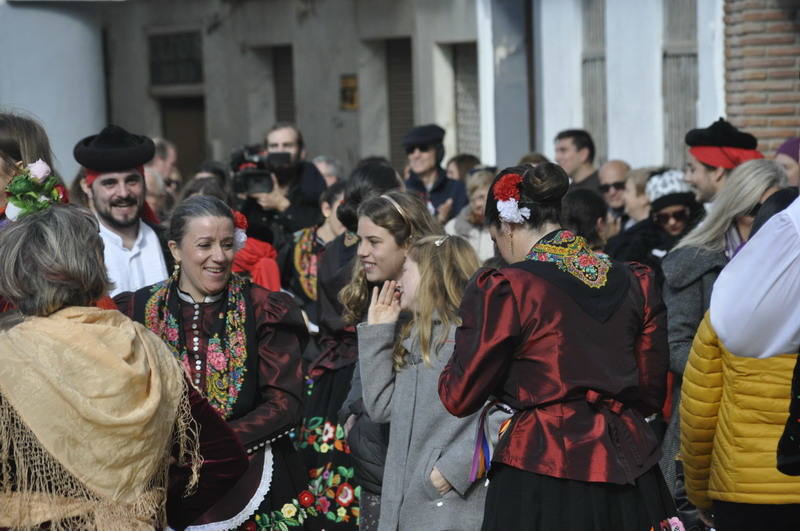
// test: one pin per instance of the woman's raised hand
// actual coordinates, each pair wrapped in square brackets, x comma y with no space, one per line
[384,308]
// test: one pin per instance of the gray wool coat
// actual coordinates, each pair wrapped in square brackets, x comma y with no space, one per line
[422,435]
[689,276]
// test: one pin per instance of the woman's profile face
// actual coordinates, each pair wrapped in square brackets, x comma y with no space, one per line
[790,167]
[380,256]
[409,284]
[206,255]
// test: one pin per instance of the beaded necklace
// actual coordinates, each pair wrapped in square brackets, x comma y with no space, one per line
[226,354]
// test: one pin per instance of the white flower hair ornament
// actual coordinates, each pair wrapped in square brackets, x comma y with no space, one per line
[506,191]
[239,230]
[32,189]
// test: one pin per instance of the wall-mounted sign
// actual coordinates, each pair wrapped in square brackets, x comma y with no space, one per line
[348,92]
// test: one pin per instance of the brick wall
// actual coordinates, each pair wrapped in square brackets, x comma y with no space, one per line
[762,65]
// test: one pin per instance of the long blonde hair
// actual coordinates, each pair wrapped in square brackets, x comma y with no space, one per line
[741,192]
[446,263]
[407,219]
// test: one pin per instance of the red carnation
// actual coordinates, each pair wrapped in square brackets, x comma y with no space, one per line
[508,187]
[239,220]
[306,498]
[345,494]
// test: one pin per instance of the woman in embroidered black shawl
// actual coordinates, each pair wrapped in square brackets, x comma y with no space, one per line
[240,345]
[575,344]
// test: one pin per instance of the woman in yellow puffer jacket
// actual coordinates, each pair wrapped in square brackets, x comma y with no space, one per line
[733,411]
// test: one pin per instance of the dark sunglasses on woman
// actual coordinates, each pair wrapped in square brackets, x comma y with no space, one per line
[663,218]
[422,147]
[605,188]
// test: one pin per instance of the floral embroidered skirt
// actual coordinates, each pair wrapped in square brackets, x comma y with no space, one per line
[284,507]
[522,500]
[330,496]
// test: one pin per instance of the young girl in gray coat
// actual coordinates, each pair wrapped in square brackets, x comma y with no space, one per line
[426,481]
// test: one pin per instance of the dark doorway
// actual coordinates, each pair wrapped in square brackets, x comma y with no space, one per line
[183,121]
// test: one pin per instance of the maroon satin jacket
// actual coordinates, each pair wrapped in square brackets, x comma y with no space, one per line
[581,371]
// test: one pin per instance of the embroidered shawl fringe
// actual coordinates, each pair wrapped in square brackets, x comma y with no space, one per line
[36,489]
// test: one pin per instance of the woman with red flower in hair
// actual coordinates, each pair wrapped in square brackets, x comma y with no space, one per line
[574,345]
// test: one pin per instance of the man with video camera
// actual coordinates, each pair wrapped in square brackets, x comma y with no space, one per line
[282,189]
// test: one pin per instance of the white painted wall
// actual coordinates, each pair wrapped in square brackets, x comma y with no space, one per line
[557,68]
[710,62]
[483,9]
[52,67]
[633,75]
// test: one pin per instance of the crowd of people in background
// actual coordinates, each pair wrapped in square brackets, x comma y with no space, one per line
[273,343]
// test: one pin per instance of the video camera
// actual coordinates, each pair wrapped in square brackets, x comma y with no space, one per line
[253,168]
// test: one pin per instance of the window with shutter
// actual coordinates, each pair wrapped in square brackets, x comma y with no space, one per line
[679,77]
[283,76]
[593,70]
[467,103]
[400,85]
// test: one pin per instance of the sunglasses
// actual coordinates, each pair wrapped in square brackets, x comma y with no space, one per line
[422,147]
[681,216]
[605,188]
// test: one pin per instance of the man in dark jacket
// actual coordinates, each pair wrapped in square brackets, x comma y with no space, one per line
[293,203]
[445,197]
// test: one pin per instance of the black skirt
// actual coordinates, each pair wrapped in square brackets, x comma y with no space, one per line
[521,500]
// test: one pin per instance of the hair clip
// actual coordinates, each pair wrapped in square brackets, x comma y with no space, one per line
[440,241]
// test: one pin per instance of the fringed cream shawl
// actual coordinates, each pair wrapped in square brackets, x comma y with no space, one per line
[91,404]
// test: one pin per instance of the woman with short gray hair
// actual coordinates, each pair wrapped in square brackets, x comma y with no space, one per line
[76,377]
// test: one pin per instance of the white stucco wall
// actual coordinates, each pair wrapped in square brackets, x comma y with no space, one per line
[710,62]
[52,65]
[633,76]
[558,47]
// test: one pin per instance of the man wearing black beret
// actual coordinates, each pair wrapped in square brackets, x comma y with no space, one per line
[446,197]
[135,254]
[714,151]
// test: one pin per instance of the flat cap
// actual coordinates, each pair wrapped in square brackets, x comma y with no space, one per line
[424,135]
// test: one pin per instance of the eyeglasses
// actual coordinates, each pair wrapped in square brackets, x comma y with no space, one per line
[680,216]
[605,188]
[422,147]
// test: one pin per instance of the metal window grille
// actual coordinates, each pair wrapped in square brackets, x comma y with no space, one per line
[468,118]
[283,76]
[400,84]
[176,58]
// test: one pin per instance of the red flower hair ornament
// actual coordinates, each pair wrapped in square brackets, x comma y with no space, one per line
[239,229]
[506,191]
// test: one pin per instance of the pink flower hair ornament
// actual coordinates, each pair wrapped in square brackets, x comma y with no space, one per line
[32,189]
[506,191]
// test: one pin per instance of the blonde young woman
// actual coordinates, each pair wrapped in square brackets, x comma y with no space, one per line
[427,482]
[691,268]
[387,226]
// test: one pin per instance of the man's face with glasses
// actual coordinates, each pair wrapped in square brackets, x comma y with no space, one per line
[421,158]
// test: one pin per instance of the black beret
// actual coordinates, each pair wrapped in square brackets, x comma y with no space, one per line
[424,135]
[721,134]
[114,149]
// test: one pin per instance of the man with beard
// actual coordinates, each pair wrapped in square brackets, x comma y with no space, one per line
[113,162]
[293,202]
